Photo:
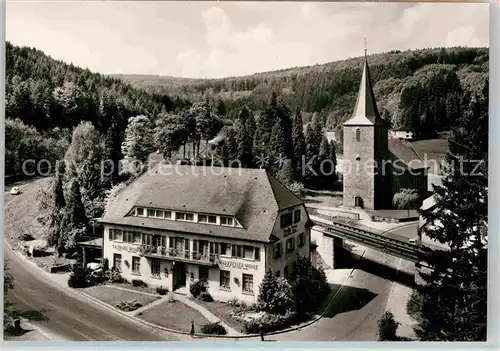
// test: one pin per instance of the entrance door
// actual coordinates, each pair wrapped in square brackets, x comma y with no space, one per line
[203,274]
[358,202]
[179,275]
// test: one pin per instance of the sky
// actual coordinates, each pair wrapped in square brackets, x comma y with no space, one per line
[219,39]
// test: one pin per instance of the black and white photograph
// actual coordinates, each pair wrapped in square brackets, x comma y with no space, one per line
[238,171]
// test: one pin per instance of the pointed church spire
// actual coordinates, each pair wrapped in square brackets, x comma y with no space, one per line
[365,110]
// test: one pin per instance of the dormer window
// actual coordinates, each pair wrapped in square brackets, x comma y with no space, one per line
[139,212]
[226,221]
[184,216]
[358,135]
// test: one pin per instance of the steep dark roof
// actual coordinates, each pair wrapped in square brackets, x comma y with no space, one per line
[250,195]
[403,151]
[365,111]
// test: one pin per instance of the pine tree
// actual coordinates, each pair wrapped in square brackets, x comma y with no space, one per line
[244,152]
[299,143]
[276,148]
[453,296]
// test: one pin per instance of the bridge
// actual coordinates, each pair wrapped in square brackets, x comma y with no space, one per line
[392,244]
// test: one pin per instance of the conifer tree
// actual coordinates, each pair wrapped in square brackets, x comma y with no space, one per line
[453,296]
[299,143]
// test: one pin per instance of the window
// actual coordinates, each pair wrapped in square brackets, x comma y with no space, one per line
[111,233]
[118,235]
[159,214]
[248,252]
[136,265]
[286,220]
[203,218]
[117,262]
[301,239]
[296,216]
[358,135]
[151,213]
[225,279]
[182,216]
[207,219]
[167,214]
[237,251]
[277,250]
[225,249]
[290,245]
[137,238]
[215,248]
[139,212]
[257,254]
[248,283]
[226,221]
[155,267]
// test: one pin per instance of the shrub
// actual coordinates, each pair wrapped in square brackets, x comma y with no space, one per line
[270,323]
[387,327]
[128,305]
[309,286]
[213,329]
[197,288]
[114,276]
[79,277]
[161,290]
[139,283]
[234,301]
[414,305]
[26,237]
[275,295]
[205,296]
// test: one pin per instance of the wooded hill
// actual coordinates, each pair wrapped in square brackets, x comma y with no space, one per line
[410,87]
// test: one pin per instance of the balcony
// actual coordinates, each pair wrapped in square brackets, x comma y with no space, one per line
[179,255]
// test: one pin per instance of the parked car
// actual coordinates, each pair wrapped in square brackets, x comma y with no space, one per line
[414,241]
[15,191]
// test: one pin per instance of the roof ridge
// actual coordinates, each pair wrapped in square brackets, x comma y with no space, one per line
[272,189]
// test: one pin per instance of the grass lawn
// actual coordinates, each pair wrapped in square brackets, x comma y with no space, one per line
[127,285]
[174,315]
[222,310]
[114,296]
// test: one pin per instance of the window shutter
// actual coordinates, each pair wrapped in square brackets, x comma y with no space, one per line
[171,239]
[240,253]
[233,250]
[257,254]
[111,234]
[195,245]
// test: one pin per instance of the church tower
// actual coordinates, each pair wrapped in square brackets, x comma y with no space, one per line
[366,184]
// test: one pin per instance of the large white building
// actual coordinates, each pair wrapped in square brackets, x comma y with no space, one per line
[226,226]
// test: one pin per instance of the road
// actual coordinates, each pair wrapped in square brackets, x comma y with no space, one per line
[70,317]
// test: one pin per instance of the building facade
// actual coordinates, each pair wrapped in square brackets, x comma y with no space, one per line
[375,167]
[226,227]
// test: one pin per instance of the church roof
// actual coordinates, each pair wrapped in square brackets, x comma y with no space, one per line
[403,151]
[365,111]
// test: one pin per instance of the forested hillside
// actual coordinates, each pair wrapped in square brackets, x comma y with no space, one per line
[46,98]
[419,89]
